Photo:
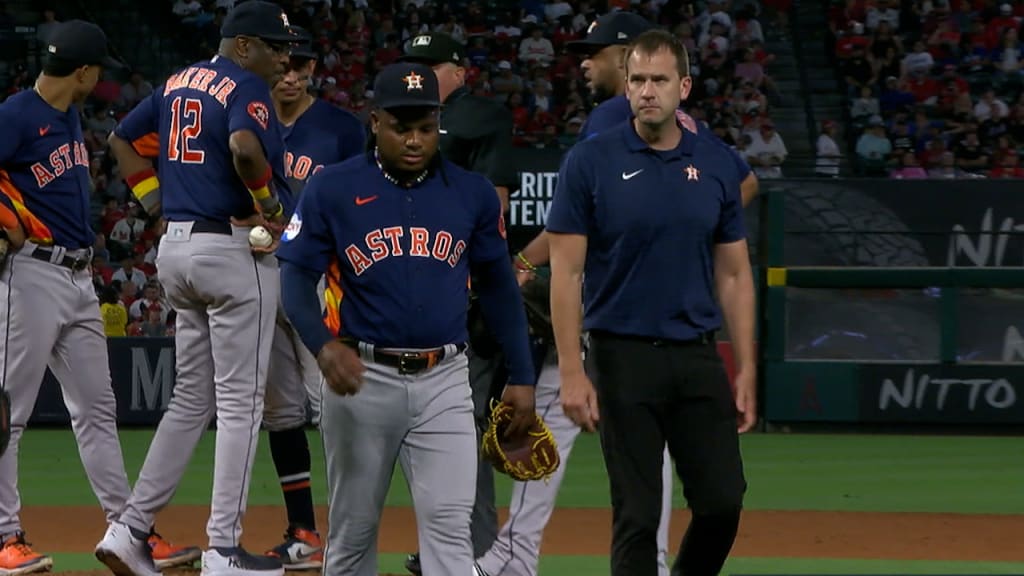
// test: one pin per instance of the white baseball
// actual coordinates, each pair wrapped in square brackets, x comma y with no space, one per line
[260,237]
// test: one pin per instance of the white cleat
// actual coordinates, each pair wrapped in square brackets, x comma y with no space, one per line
[125,553]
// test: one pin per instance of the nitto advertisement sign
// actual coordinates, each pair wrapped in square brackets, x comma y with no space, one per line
[955,394]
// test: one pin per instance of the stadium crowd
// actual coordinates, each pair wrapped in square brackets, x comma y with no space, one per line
[933,87]
[515,55]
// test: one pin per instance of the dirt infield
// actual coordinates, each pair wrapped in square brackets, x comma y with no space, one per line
[895,536]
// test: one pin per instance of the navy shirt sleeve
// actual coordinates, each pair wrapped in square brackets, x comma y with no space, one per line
[143,120]
[572,207]
[307,240]
[250,108]
[488,242]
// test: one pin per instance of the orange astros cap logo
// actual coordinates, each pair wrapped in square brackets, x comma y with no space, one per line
[413,82]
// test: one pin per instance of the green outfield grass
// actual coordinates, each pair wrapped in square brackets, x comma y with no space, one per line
[598,566]
[785,472]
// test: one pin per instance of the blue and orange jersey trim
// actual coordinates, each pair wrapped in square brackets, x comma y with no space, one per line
[34,228]
[147,146]
[333,295]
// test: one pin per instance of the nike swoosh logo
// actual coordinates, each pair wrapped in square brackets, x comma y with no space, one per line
[626,176]
[367,200]
[44,130]
[313,552]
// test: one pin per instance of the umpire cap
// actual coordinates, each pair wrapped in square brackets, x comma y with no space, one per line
[616,28]
[304,44]
[80,42]
[259,19]
[406,84]
[433,48]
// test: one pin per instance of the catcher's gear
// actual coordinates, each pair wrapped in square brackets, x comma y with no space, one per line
[534,457]
[5,420]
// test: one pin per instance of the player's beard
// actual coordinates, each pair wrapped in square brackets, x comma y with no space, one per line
[599,94]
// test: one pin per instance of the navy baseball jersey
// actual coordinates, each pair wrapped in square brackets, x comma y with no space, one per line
[322,135]
[44,171]
[616,110]
[652,215]
[194,114]
[392,242]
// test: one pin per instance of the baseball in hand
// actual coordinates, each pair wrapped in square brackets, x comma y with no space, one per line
[260,237]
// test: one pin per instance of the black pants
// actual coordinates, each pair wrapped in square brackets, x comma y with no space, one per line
[651,393]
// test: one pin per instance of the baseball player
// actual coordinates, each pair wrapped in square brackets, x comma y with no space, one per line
[220,148]
[404,227]
[316,134]
[475,132]
[516,551]
[651,214]
[51,316]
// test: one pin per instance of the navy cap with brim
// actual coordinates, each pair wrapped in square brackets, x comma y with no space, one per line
[80,43]
[406,85]
[259,19]
[614,29]
[303,47]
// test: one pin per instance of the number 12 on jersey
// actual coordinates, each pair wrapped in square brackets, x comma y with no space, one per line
[186,126]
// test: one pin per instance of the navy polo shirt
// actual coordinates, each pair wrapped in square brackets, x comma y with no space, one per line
[652,219]
[616,110]
[399,256]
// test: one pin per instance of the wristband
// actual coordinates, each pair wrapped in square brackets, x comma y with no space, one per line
[142,182]
[260,187]
[523,264]
[145,187]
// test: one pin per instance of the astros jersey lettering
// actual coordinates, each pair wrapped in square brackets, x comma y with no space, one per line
[616,110]
[322,135]
[393,242]
[45,180]
[195,113]
[608,196]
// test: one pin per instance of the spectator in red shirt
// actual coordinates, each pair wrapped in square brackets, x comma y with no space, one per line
[112,214]
[924,88]
[1003,21]
[1009,166]
[101,271]
[349,70]
[387,52]
[853,39]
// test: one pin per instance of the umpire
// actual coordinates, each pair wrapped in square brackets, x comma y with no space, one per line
[651,215]
[475,134]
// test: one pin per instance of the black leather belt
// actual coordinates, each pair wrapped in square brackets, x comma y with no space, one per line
[406,362]
[211,227]
[76,263]
[700,340]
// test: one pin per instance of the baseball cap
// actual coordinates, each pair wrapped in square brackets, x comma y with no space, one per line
[406,84]
[304,46]
[259,19]
[80,42]
[433,48]
[611,29]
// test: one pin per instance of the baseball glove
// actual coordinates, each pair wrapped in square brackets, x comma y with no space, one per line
[535,457]
[5,420]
